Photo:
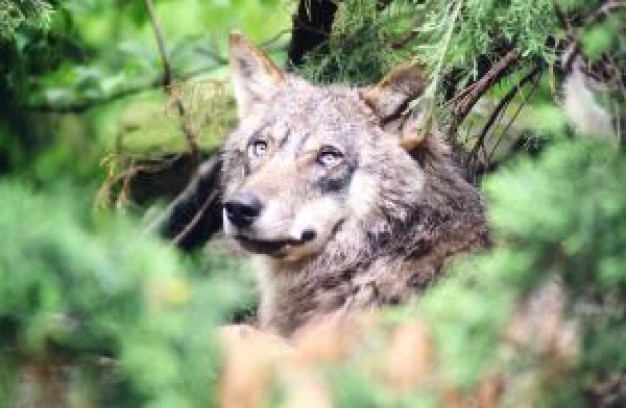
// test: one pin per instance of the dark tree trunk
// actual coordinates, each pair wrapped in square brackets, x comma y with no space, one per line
[312,25]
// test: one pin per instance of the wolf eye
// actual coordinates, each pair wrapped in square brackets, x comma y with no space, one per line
[329,156]
[257,148]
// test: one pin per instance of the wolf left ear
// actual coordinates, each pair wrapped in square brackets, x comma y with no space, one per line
[390,99]
[255,77]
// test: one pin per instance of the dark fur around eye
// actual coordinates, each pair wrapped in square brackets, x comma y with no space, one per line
[329,156]
[337,179]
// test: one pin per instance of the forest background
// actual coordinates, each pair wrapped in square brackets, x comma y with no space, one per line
[107,107]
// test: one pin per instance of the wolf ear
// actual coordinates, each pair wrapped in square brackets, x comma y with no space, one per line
[255,77]
[390,100]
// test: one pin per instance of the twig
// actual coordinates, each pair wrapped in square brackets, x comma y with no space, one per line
[196,218]
[514,116]
[80,106]
[604,10]
[460,95]
[572,45]
[158,35]
[125,176]
[211,54]
[472,157]
[270,41]
[190,137]
[465,104]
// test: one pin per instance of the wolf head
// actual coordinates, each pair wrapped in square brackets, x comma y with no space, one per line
[308,163]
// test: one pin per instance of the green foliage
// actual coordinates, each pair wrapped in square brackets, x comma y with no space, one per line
[149,125]
[17,13]
[459,42]
[96,61]
[368,39]
[360,47]
[580,237]
[95,312]
[577,237]
[103,312]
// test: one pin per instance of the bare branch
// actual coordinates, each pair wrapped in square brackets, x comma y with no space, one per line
[502,104]
[196,213]
[158,35]
[604,10]
[124,177]
[515,114]
[178,239]
[190,137]
[212,54]
[269,43]
[465,104]
[572,48]
[80,106]
[83,105]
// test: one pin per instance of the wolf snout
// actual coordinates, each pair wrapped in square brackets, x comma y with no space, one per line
[242,209]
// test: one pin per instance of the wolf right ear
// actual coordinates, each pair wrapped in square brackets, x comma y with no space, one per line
[255,77]
[390,99]
[391,96]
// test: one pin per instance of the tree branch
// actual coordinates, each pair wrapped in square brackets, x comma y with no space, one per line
[200,213]
[212,54]
[604,10]
[80,106]
[517,111]
[502,104]
[464,104]
[190,137]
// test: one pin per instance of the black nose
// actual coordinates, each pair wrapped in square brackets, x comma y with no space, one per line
[242,209]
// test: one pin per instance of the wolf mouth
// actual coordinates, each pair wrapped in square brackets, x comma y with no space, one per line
[269,247]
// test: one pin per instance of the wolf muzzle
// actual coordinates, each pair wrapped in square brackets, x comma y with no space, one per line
[242,210]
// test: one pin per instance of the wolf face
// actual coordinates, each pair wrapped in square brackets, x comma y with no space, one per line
[306,160]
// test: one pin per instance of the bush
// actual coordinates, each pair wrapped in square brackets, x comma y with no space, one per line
[558,218]
[93,311]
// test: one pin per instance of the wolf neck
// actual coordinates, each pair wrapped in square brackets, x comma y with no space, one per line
[398,253]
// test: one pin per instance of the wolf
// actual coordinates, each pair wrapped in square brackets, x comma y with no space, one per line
[343,200]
